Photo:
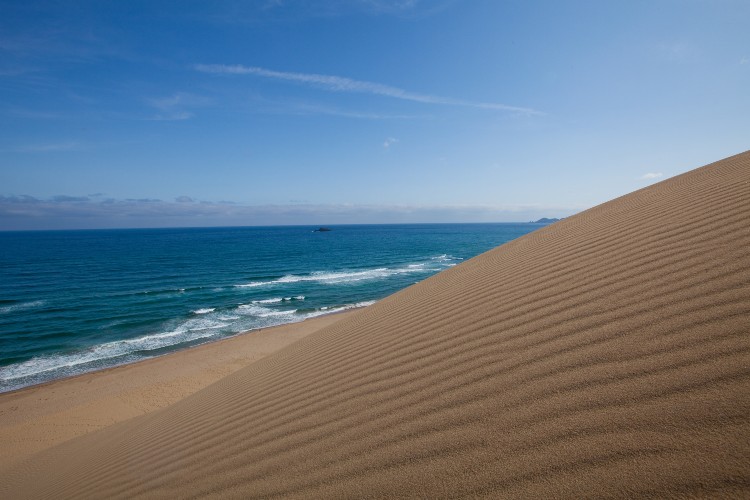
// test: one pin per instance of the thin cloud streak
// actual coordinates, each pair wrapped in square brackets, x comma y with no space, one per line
[176,106]
[47,148]
[343,84]
[651,175]
[170,117]
[313,109]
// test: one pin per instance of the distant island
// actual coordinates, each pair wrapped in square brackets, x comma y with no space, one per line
[544,220]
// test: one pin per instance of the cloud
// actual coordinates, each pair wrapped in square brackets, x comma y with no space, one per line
[744,60]
[309,109]
[176,106]
[15,71]
[295,10]
[183,199]
[651,175]
[74,212]
[388,142]
[679,51]
[47,148]
[334,83]
[401,8]
[405,8]
[170,117]
[179,99]
[65,198]
[392,4]
[34,114]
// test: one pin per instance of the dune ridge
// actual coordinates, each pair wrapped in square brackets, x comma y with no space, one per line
[605,355]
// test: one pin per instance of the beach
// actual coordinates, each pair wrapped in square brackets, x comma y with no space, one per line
[605,355]
[39,417]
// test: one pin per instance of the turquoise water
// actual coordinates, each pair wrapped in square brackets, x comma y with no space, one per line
[77,301]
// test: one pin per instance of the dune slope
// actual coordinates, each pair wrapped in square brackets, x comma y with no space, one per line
[607,354]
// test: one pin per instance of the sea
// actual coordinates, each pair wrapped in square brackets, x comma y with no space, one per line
[77,301]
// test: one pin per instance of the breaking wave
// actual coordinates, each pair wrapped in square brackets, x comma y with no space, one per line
[352,276]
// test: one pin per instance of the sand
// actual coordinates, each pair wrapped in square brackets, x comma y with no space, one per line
[604,355]
[43,416]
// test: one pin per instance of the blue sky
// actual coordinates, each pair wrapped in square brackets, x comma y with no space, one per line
[148,114]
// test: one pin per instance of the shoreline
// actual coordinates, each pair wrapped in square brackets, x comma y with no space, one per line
[178,350]
[40,416]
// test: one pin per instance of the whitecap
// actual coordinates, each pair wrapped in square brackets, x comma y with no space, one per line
[204,310]
[331,310]
[253,284]
[22,306]
[338,277]
[268,301]
[253,309]
[276,313]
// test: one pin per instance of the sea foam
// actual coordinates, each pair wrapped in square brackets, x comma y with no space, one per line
[349,276]
[22,306]
[68,363]
[204,310]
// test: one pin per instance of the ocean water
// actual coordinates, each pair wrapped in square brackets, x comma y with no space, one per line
[78,301]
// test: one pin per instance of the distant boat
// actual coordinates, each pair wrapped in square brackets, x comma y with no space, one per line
[321,230]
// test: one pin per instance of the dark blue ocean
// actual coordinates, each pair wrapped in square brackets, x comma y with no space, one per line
[77,301]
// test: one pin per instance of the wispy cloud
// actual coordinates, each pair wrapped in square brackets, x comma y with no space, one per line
[335,83]
[404,8]
[314,109]
[651,175]
[63,198]
[390,5]
[179,99]
[172,116]
[47,147]
[15,71]
[67,212]
[679,51]
[271,4]
[34,114]
[177,106]
[239,11]
[389,142]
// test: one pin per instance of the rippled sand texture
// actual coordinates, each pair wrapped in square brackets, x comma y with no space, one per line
[607,354]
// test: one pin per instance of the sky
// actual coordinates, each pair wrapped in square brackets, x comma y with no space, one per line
[232,112]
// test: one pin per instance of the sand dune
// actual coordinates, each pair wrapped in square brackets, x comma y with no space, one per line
[40,417]
[605,355]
